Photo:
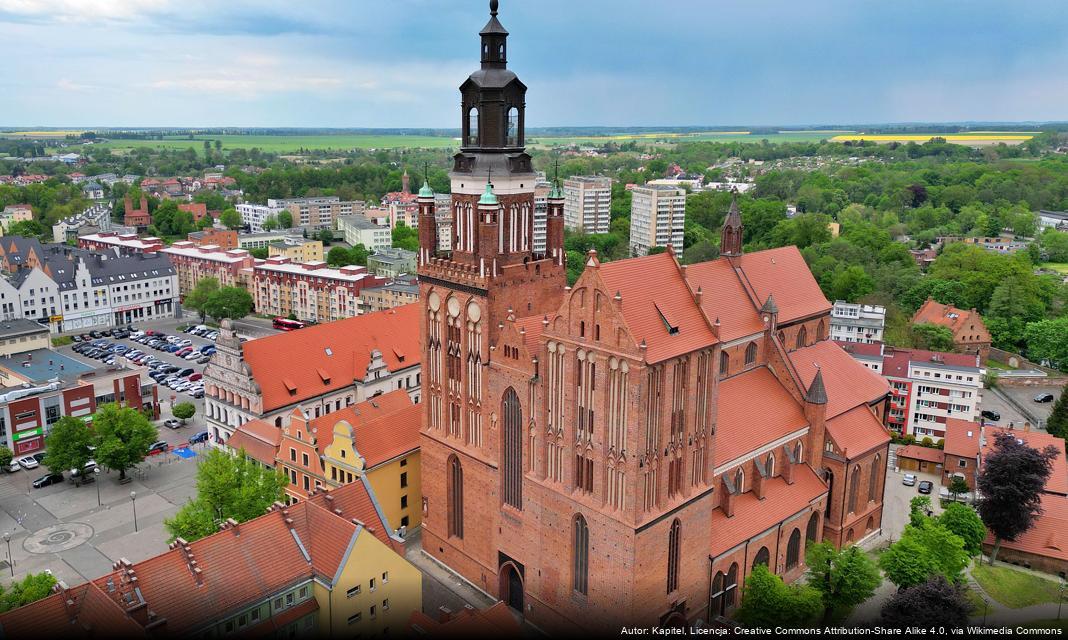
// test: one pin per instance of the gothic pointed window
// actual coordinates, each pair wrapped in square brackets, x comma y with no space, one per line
[716,598]
[674,547]
[802,337]
[513,449]
[472,127]
[821,330]
[793,550]
[873,479]
[750,353]
[456,498]
[813,528]
[724,363]
[854,489]
[762,557]
[512,132]
[730,595]
[580,555]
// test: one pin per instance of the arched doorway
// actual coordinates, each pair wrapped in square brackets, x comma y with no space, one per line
[511,586]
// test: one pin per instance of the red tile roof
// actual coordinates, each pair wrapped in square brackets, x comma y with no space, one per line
[495,621]
[848,382]
[1049,535]
[658,306]
[753,516]
[957,320]
[259,439]
[385,427]
[91,613]
[916,452]
[744,425]
[355,500]
[393,332]
[783,273]
[531,331]
[962,438]
[1058,479]
[724,297]
[857,431]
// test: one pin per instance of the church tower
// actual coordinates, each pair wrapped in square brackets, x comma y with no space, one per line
[730,244]
[488,276]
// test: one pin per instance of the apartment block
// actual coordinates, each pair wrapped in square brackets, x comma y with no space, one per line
[359,230]
[588,203]
[853,322]
[297,249]
[318,212]
[657,218]
[309,290]
[193,263]
[254,215]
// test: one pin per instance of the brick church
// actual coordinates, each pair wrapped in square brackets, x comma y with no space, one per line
[626,449]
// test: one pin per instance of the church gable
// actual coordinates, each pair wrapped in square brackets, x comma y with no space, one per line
[592,313]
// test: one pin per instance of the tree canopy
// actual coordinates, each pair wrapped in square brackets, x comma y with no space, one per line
[123,437]
[767,601]
[31,588]
[935,602]
[844,578]
[67,445]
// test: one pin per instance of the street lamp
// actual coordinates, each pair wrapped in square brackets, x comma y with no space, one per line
[96,479]
[10,561]
[133,501]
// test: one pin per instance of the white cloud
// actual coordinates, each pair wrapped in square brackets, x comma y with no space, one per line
[66,84]
[82,11]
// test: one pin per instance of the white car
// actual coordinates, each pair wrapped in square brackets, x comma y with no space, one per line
[196,355]
[27,462]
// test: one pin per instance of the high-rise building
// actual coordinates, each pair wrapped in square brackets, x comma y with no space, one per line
[626,450]
[854,322]
[588,203]
[541,211]
[657,217]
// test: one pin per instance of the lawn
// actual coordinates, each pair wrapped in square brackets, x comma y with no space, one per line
[978,604]
[992,364]
[1059,267]
[1013,588]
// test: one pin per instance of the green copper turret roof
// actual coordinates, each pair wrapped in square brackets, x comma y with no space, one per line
[555,193]
[488,197]
[426,191]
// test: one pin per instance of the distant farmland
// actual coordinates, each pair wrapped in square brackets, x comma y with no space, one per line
[971,139]
[291,144]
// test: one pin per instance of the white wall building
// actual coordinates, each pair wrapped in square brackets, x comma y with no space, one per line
[253,215]
[852,322]
[588,203]
[359,230]
[657,218]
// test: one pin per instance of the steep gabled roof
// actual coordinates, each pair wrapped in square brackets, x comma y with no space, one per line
[783,272]
[857,431]
[848,382]
[658,306]
[724,297]
[259,439]
[342,349]
[754,409]
[384,427]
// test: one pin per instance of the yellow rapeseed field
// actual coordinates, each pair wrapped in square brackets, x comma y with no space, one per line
[924,137]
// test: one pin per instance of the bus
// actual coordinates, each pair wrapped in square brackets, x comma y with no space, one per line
[285,324]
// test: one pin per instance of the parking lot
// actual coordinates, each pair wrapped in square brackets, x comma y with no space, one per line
[1025,395]
[897,496]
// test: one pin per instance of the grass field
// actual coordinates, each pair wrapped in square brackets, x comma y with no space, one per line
[1059,267]
[285,143]
[672,138]
[971,139]
[1012,588]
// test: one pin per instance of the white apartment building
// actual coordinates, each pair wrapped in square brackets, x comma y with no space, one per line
[657,218]
[853,322]
[318,212]
[541,213]
[941,390]
[254,215]
[359,230]
[264,239]
[588,203]
[443,218]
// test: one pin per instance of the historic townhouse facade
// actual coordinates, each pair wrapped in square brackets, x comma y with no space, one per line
[317,369]
[626,449]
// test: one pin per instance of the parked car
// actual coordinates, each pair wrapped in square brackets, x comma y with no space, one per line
[39,457]
[193,355]
[85,474]
[909,480]
[28,462]
[195,377]
[48,480]
[201,436]
[199,393]
[1044,397]
[76,338]
[13,467]
[925,486]
[183,351]
[208,350]
[993,416]
[185,373]
[204,360]
[95,334]
[172,423]
[158,448]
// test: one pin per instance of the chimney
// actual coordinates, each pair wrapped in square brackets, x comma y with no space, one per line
[758,479]
[786,470]
[727,500]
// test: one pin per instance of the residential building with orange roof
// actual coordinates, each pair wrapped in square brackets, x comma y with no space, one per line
[622,451]
[327,567]
[969,333]
[341,363]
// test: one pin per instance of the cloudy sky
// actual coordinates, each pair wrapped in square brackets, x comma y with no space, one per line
[397,63]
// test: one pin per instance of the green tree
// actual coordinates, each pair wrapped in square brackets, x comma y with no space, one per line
[944,546]
[230,218]
[405,237]
[183,411]
[204,223]
[229,302]
[958,486]
[285,219]
[851,284]
[844,578]
[6,456]
[270,223]
[964,522]
[1048,340]
[123,436]
[260,252]
[326,236]
[198,298]
[228,486]
[920,508]
[933,337]
[768,602]
[1055,244]
[67,445]
[907,563]
[1058,419]
[32,588]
